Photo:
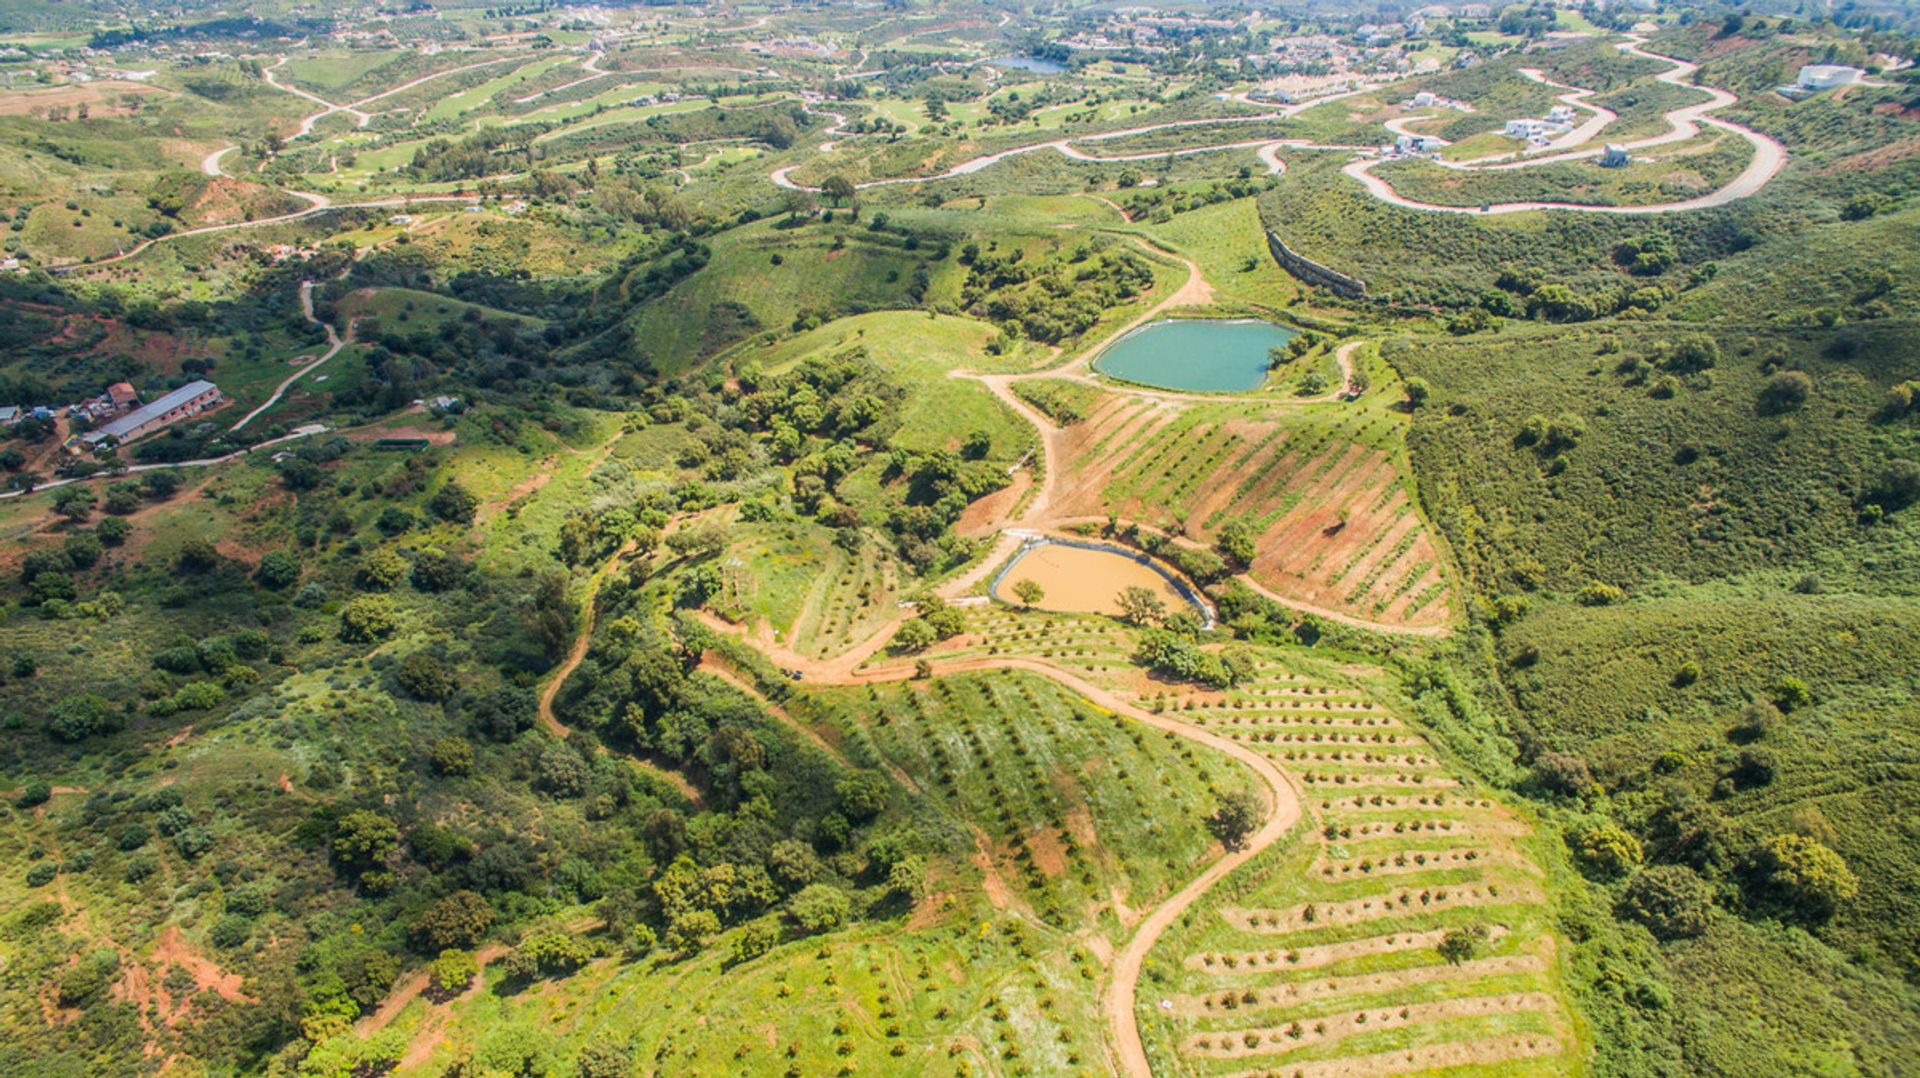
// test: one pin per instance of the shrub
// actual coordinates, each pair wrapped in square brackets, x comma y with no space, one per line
[451,973]
[368,618]
[863,794]
[1462,943]
[1607,849]
[277,570]
[1785,392]
[424,677]
[381,570]
[1803,874]
[41,873]
[1563,773]
[1754,767]
[453,503]
[81,716]
[1791,694]
[1897,486]
[1598,594]
[229,931]
[1238,815]
[451,756]
[461,919]
[548,954]
[1670,900]
[915,634]
[820,907]
[754,940]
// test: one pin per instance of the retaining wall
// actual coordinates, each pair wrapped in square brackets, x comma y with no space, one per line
[1313,272]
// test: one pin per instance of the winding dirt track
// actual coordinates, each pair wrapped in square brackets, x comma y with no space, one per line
[335,342]
[1769,155]
[1283,812]
[1684,122]
[582,641]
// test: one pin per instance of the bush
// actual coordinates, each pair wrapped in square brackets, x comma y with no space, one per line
[230,931]
[549,954]
[451,973]
[1563,773]
[1803,874]
[1897,486]
[820,907]
[461,919]
[1670,900]
[453,503]
[279,569]
[424,677]
[75,718]
[863,794]
[451,756]
[753,941]
[1785,392]
[1237,817]
[1598,594]
[41,873]
[368,618]
[381,570]
[1608,850]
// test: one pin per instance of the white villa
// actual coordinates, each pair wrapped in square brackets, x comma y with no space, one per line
[1826,76]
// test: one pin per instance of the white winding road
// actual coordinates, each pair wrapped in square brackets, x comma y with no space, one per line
[1685,122]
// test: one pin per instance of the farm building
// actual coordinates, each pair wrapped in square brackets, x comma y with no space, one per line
[1614,157]
[189,400]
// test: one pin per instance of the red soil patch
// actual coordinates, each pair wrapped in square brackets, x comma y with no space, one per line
[173,949]
[374,434]
[1049,854]
[998,893]
[991,513]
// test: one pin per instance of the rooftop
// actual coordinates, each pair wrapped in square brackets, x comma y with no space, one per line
[146,413]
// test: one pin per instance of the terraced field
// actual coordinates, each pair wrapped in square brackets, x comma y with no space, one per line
[819,597]
[1084,644]
[1078,816]
[1408,932]
[1324,493]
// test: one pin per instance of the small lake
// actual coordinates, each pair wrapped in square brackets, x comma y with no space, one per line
[1200,355]
[1087,578]
[1030,63]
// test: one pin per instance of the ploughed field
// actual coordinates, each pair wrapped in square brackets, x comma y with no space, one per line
[1324,493]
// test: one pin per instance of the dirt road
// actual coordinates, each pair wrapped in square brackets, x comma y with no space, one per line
[1283,812]
[1684,122]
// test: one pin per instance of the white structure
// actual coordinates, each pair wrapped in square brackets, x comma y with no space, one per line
[1615,156]
[1826,76]
[1425,100]
[189,400]
[1561,114]
[1409,145]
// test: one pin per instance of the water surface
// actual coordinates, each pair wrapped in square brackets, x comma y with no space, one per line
[1195,354]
